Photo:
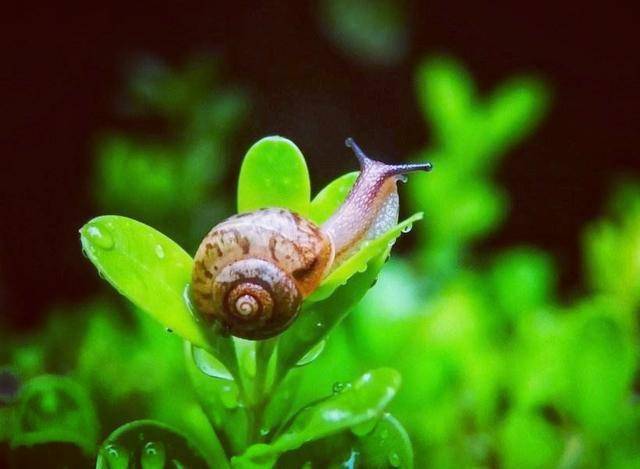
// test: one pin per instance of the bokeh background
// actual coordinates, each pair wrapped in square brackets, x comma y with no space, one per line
[65,71]
[147,110]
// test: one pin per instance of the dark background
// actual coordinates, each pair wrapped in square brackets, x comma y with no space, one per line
[62,68]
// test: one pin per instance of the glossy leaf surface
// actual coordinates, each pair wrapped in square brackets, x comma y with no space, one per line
[359,261]
[388,444]
[274,174]
[145,266]
[150,445]
[364,400]
[317,319]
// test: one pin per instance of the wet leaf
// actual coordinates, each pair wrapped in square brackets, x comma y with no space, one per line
[145,266]
[149,444]
[361,402]
[359,261]
[274,174]
[220,400]
[387,445]
[153,272]
[317,319]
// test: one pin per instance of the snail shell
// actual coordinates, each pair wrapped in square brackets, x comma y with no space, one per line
[253,270]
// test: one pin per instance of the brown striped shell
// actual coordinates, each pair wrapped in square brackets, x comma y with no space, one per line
[253,270]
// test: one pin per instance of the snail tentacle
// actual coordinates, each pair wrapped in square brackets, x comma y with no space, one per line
[371,207]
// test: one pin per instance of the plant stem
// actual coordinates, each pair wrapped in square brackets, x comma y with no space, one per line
[261,389]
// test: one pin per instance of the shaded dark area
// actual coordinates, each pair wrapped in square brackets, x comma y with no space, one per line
[63,68]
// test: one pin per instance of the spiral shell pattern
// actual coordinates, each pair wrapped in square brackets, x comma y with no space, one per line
[252,271]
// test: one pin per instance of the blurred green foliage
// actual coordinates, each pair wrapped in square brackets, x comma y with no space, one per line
[374,32]
[497,369]
[174,182]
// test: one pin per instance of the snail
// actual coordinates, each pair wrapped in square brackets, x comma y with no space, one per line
[253,270]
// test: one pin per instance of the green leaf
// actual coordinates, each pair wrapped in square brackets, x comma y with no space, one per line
[600,368]
[387,445]
[154,168]
[446,93]
[375,31]
[147,267]
[151,445]
[360,402]
[527,440]
[391,309]
[518,267]
[611,246]
[317,319]
[331,197]
[336,451]
[55,409]
[515,108]
[358,262]
[274,174]
[221,401]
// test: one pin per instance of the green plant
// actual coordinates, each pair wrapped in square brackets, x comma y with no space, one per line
[499,367]
[247,382]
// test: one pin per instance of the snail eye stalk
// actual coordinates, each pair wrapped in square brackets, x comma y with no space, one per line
[391,169]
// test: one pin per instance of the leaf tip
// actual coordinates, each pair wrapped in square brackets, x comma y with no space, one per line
[96,233]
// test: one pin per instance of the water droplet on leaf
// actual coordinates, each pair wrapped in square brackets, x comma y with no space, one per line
[394,459]
[209,365]
[186,296]
[312,354]
[246,355]
[352,461]
[100,236]
[115,456]
[153,455]
[229,396]
[406,229]
[339,387]
[159,251]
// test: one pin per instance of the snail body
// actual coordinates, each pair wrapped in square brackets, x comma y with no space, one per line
[253,270]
